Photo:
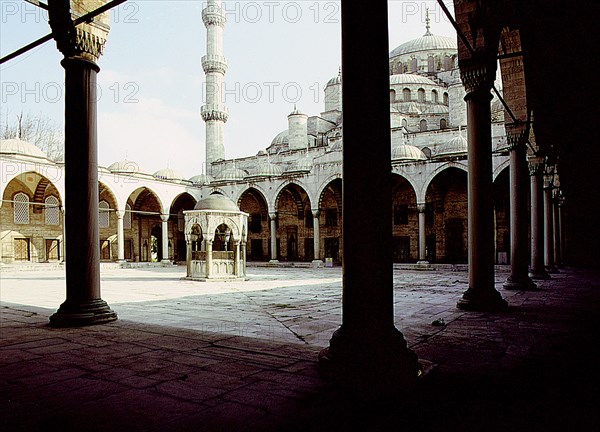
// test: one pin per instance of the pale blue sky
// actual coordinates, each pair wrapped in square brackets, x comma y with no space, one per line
[279,53]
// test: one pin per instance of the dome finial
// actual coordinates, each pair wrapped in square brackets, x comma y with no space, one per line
[427,23]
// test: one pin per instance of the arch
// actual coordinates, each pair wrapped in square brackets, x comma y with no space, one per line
[443,123]
[392,95]
[51,210]
[104,214]
[105,193]
[253,202]
[414,64]
[423,125]
[335,187]
[183,201]
[505,164]
[430,64]
[445,98]
[258,194]
[35,185]
[434,96]
[302,187]
[406,95]
[434,174]
[29,175]
[296,192]
[144,198]
[421,95]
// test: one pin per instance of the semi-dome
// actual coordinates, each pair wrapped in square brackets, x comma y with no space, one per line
[124,166]
[406,79]
[201,179]
[406,152]
[231,174]
[20,147]
[336,79]
[267,169]
[168,174]
[216,202]
[455,145]
[427,42]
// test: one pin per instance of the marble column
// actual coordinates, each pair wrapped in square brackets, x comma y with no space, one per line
[367,354]
[208,247]
[478,75]
[63,245]
[317,262]
[273,218]
[243,263]
[557,229]
[236,258]
[120,237]
[519,251]
[422,237]
[188,257]
[165,238]
[537,270]
[81,47]
[548,226]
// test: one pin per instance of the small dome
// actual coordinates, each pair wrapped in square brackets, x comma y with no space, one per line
[23,148]
[261,153]
[216,201]
[336,79]
[456,145]
[425,43]
[267,169]
[124,166]
[281,139]
[231,174]
[201,179]
[405,79]
[168,174]
[405,152]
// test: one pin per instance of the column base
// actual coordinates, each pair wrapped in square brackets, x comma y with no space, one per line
[539,274]
[486,301]
[317,263]
[520,284]
[370,366]
[423,263]
[273,261]
[92,312]
[552,269]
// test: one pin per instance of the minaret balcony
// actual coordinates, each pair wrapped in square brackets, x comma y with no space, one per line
[214,112]
[214,63]
[213,15]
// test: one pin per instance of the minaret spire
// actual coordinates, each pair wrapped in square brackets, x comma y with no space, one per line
[214,112]
[427,23]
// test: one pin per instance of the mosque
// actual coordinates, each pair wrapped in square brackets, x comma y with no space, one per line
[291,190]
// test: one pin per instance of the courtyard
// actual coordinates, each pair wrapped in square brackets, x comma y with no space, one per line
[243,355]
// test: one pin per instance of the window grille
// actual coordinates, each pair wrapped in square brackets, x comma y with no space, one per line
[104,215]
[21,208]
[51,211]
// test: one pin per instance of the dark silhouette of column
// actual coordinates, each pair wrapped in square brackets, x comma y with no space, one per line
[421,207]
[477,74]
[549,223]
[81,47]
[557,229]
[273,218]
[519,252]
[536,170]
[367,353]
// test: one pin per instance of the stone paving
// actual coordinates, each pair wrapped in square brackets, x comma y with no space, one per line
[242,356]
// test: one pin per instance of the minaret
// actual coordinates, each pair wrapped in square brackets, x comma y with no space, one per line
[214,113]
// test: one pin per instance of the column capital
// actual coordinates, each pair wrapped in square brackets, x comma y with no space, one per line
[316,213]
[421,207]
[536,166]
[164,217]
[478,73]
[120,214]
[86,40]
[516,134]
[273,216]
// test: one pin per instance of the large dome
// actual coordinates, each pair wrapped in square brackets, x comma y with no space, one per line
[216,201]
[23,148]
[404,79]
[427,42]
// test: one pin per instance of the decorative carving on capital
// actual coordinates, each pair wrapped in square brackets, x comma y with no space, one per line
[164,217]
[421,207]
[477,74]
[536,166]
[316,213]
[272,216]
[120,214]
[86,40]
[516,135]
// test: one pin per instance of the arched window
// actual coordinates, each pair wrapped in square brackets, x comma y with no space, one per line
[426,151]
[51,210]
[103,215]
[423,125]
[406,95]
[421,95]
[430,64]
[21,208]
[399,68]
[434,96]
[127,217]
[448,62]
[392,96]
[405,124]
[445,98]
[443,124]
[413,65]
